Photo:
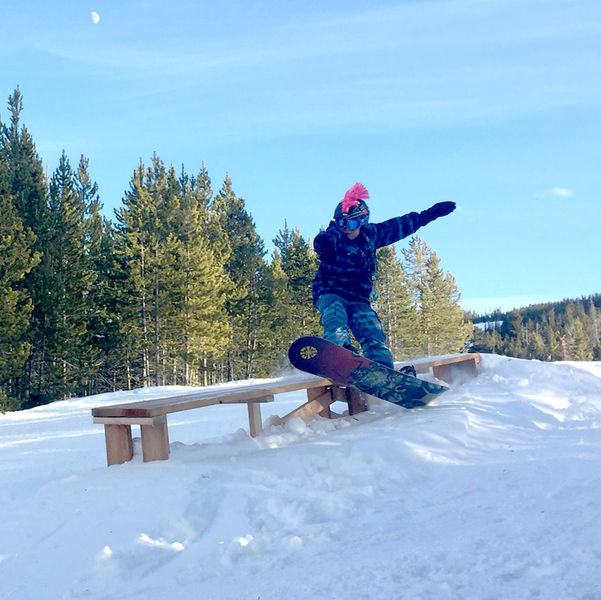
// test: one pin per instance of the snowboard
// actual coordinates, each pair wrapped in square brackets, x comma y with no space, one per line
[344,367]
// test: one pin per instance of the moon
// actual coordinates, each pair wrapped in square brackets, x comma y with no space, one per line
[95,17]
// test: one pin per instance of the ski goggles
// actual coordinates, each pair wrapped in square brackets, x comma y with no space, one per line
[351,224]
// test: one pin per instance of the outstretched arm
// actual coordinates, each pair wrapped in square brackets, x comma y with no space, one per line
[396,229]
[440,209]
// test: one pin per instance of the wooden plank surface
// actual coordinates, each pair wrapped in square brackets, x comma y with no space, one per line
[423,365]
[255,392]
[251,392]
[125,420]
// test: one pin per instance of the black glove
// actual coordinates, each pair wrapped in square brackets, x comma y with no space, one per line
[325,245]
[438,210]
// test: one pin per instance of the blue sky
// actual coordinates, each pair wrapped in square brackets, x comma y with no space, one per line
[494,104]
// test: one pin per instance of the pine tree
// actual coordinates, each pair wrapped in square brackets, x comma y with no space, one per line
[17,258]
[245,267]
[129,369]
[65,358]
[103,329]
[299,263]
[199,328]
[138,228]
[138,225]
[213,357]
[26,185]
[436,297]
[576,339]
[551,338]
[594,329]
[394,304]
[277,325]
[487,341]
[26,179]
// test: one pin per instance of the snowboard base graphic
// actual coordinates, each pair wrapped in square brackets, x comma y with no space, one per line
[344,367]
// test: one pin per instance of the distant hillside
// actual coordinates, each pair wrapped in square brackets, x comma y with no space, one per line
[565,330]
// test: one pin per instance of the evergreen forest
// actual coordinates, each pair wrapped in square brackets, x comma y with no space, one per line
[567,330]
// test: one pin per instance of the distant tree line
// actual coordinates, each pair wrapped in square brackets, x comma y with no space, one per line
[567,330]
[176,290]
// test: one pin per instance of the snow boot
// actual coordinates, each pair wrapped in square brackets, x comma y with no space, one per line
[408,370]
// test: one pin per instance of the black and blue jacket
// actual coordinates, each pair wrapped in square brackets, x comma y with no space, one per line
[347,266]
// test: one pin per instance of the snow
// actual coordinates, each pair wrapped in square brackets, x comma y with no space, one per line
[491,492]
[489,325]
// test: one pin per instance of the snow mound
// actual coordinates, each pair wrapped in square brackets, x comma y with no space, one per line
[490,492]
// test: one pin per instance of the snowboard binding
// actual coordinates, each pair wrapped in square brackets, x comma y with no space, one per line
[408,370]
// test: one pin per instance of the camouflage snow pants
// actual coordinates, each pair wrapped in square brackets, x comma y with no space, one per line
[339,317]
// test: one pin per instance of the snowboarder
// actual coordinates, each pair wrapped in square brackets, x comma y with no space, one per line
[343,286]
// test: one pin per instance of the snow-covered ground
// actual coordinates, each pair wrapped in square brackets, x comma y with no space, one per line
[492,492]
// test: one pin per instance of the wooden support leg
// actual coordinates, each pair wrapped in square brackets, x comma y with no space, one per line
[443,372]
[469,368]
[338,395]
[455,371]
[119,445]
[255,424]
[155,440]
[321,396]
[318,399]
[357,402]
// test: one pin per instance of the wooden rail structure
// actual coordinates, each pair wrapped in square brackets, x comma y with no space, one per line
[151,415]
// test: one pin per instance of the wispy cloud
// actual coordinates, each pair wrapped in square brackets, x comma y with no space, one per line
[562,192]
[555,192]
